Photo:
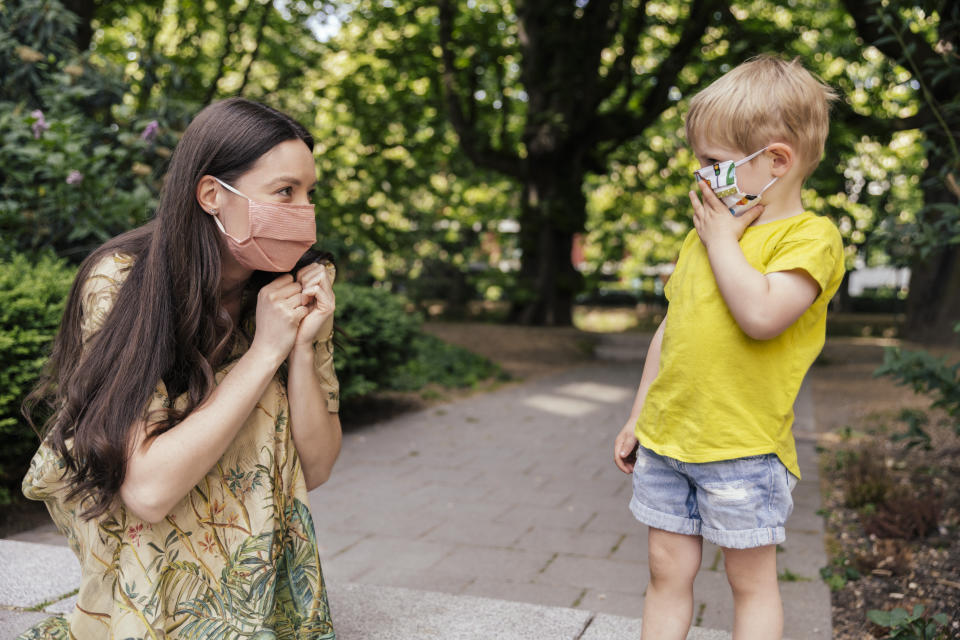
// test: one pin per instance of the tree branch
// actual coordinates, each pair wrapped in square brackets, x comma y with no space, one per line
[620,125]
[866,17]
[230,28]
[480,151]
[881,128]
[264,17]
[620,70]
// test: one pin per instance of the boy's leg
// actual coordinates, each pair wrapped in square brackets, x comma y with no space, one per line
[668,604]
[758,611]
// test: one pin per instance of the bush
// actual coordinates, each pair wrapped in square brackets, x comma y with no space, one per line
[437,362]
[382,348]
[910,626]
[78,167]
[378,338]
[32,297]
[926,374]
[72,185]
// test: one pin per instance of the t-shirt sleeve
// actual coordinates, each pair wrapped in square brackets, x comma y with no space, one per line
[668,288]
[821,256]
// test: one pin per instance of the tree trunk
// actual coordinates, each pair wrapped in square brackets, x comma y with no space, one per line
[553,210]
[85,11]
[933,304]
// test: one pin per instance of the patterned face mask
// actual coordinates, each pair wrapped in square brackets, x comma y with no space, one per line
[722,177]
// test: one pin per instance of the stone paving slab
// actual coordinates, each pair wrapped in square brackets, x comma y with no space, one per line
[608,627]
[386,613]
[35,574]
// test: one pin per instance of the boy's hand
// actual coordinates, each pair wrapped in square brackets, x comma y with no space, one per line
[713,220]
[625,448]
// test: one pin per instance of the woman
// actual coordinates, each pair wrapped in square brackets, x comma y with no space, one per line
[190,409]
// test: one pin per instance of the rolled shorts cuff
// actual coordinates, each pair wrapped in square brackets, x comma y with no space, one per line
[665,521]
[744,538]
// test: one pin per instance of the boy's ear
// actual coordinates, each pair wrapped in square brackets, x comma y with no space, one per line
[783,156]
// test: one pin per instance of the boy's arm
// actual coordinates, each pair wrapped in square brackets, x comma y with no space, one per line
[626,441]
[763,305]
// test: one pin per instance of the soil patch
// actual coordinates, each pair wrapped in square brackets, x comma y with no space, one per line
[893,511]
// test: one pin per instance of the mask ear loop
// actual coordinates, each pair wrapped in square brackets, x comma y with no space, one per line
[216,217]
[750,157]
[229,188]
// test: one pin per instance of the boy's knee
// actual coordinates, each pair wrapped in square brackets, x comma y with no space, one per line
[751,570]
[674,556]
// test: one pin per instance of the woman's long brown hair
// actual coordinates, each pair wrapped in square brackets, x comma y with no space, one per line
[167,323]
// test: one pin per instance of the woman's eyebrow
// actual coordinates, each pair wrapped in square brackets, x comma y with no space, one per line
[290,180]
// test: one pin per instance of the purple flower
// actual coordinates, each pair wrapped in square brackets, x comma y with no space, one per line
[74,177]
[40,125]
[150,131]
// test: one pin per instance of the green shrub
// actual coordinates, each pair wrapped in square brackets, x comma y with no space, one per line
[78,167]
[910,626]
[382,348]
[32,297]
[437,362]
[926,374]
[378,338]
[72,186]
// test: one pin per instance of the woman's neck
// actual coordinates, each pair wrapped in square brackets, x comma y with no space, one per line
[233,279]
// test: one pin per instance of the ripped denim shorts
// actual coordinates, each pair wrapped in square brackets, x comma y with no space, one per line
[738,504]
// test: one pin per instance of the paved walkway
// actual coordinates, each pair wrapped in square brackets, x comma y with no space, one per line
[512,497]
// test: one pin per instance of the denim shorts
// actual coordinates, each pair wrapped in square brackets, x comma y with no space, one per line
[737,504]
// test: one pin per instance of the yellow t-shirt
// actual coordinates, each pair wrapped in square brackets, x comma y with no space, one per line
[720,394]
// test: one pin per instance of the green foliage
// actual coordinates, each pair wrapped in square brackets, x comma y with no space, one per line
[73,186]
[32,297]
[838,573]
[915,435]
[925,373]
[378,335]
[75,172]
[910,626]
[382,348]
[437,362]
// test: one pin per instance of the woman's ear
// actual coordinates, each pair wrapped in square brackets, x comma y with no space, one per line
[208,196]
[782,158]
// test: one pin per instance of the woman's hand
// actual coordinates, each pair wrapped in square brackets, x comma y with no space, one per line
[318,298]
[280,312]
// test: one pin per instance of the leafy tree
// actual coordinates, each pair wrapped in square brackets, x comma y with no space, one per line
[593,75]
[923,38]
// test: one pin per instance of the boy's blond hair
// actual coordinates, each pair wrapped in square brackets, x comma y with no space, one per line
[764,100]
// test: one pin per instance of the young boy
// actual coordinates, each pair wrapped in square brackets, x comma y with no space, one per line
[716,457]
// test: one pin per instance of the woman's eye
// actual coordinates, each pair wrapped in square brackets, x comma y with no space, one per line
[286,191]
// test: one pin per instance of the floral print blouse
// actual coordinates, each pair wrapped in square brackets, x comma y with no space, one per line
[236,558]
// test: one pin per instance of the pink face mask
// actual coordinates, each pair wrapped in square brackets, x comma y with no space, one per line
[277,234]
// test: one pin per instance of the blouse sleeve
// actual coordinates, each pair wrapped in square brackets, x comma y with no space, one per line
[323,359]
